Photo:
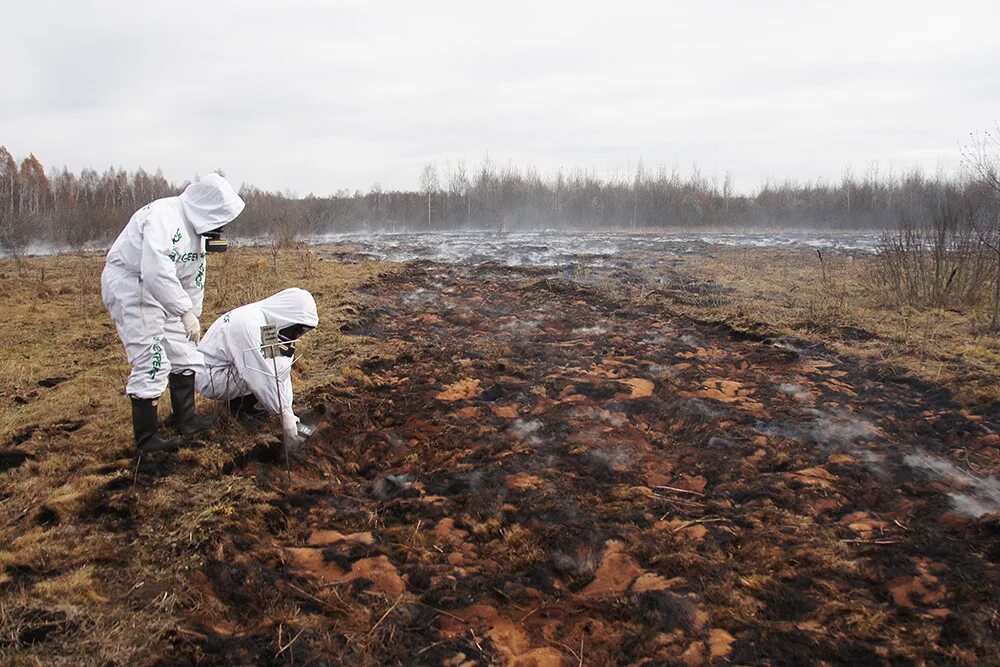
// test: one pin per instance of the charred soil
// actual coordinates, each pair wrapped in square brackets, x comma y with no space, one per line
[541,474]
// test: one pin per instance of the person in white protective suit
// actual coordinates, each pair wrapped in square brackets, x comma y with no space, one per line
[235,368]
[153,285]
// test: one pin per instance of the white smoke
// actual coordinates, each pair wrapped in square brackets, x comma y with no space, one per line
[595,330]
[829,427]
[978,495]
[796,391]
[525,430]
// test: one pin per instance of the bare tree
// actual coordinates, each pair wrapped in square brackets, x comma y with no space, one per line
[636,184]
[459,187]
[429,185]
[727,192]
[374,208]
[8,201]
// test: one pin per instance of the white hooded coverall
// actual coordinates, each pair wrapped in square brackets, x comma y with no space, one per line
[155,272]
[234,363]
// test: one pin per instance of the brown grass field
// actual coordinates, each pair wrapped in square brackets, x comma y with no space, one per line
[746,458]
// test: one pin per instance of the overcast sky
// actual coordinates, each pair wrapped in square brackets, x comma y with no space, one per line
[319,96]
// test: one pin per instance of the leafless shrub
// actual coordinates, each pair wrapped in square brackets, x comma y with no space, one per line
[829,305]
[938,262]
[982,158]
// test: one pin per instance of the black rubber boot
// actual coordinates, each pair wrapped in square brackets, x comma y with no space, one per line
[145,424]
[186,420]
[245,407]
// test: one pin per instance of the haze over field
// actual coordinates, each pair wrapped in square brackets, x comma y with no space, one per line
[315,97]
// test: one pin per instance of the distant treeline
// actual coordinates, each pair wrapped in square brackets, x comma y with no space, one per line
[70,210]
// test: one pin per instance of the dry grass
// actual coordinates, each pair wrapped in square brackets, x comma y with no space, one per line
[94,565]
[832,300]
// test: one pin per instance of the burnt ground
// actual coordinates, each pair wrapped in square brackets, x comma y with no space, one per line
[545,472]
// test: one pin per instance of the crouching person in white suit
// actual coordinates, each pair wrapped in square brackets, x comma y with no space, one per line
[153,285]
[235,368]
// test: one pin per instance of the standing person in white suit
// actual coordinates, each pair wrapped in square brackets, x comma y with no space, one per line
[153,285]
[235,368]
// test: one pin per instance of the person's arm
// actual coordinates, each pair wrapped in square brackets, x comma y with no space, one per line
[158,270]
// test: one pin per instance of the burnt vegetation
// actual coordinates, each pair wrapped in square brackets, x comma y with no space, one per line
[553,475]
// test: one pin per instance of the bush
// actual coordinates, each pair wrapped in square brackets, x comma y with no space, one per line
[944,261]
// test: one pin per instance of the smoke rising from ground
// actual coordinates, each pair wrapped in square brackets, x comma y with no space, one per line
[977,495]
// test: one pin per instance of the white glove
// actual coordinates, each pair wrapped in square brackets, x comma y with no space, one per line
[290,429]
[192,327]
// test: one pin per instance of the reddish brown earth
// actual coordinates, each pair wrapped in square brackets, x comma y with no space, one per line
[546,474]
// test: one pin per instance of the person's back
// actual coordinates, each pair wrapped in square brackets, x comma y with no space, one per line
[235,367]
[228,348]
[163,243]
[240,326]
[126,251]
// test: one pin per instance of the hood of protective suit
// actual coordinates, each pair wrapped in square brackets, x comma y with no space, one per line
[288,307]
[210,203]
